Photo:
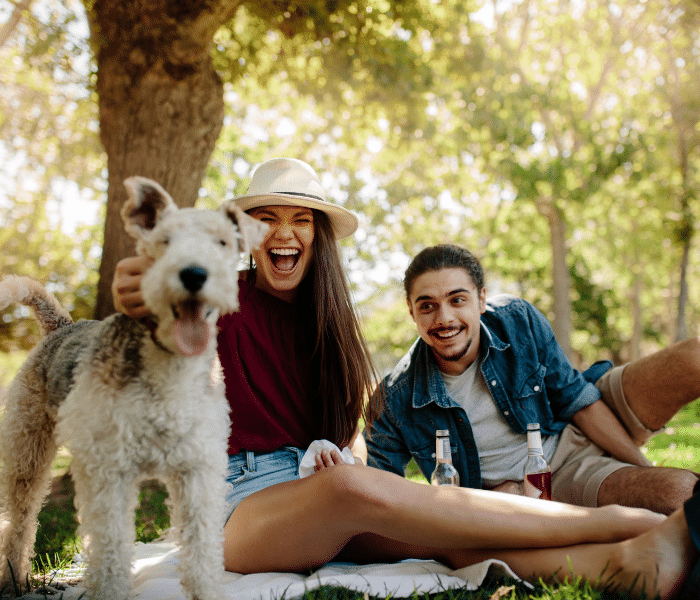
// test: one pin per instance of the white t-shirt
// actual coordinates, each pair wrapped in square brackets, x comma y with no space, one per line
[502,452]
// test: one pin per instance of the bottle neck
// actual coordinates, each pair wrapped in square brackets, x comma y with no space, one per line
[443,453]
[534,442]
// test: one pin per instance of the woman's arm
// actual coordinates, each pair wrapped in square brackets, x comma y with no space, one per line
[601,426]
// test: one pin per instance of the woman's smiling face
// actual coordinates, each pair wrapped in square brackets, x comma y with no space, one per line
[286,255]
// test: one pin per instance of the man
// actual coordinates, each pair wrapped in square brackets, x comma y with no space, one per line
[485,369]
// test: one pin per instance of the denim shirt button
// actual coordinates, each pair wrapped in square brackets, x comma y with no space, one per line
[494,383]
[506,412]
[536,388]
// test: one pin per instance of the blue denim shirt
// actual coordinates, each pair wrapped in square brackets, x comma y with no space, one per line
[526,371]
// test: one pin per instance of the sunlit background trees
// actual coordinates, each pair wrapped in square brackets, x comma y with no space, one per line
[557,139]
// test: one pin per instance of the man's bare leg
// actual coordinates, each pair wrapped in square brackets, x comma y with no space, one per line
[660,489]
[659,385]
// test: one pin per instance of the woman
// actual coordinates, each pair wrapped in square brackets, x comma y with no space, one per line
[297,369]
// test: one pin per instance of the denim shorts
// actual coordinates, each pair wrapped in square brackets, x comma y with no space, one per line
[250,472]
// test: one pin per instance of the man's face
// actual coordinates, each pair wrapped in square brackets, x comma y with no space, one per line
[446,307]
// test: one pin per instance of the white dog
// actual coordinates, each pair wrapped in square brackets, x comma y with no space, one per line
[131,399]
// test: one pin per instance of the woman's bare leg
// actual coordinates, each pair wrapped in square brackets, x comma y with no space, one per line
[302,524]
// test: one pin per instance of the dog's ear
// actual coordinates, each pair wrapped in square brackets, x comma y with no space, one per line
[251,232]
[146,205]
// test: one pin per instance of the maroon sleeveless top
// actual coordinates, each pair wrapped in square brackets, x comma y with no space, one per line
[265,351]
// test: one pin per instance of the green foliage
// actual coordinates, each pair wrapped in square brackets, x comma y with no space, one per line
[434,122]
[592,310]
[33,247]
[51,157]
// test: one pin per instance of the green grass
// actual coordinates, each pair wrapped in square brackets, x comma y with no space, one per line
[679,445]
[57,540]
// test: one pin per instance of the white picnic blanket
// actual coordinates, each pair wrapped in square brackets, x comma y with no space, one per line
[155,578]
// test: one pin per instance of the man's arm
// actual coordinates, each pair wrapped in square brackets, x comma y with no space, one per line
[601,426]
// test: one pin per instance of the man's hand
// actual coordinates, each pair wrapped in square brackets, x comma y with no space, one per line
[510,487]
[126,286]
[600,425]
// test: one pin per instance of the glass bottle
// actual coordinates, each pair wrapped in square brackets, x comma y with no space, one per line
[537,475]
[445,472]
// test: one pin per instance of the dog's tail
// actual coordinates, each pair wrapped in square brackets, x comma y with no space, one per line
[50,314]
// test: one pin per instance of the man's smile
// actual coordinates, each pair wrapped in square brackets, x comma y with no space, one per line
[446,334]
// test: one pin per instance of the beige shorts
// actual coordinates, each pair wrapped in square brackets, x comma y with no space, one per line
[578,465]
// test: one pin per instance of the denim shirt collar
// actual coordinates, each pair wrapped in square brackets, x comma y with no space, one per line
[429,385]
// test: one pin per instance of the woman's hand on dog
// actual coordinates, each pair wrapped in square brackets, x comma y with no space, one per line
[126,286]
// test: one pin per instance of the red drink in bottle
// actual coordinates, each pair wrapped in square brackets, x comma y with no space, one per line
[537,475]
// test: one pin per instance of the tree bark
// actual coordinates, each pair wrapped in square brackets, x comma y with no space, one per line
[161,105]
[636,306]
[561,279]
[681,325]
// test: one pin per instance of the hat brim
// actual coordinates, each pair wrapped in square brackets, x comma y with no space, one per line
[343,221]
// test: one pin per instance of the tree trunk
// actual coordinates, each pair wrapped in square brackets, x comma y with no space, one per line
[636,306]
[160,103]
[681,325]
[561,279]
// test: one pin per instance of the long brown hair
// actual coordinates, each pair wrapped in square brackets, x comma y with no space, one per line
[346,376]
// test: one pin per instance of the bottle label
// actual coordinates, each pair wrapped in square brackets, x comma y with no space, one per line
[538,485]
[534,442]
[443,449]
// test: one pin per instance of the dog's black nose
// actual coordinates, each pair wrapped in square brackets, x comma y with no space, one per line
[193,278]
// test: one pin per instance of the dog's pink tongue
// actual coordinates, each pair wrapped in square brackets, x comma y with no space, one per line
[191,332]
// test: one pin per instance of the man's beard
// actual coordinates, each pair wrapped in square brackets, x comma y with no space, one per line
[456,356]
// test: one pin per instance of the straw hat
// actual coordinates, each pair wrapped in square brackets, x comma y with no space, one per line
[291,182]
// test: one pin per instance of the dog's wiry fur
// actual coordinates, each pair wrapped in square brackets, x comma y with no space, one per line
[131,400]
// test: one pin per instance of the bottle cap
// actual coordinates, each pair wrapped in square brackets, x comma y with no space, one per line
[533,426]
[442,432]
